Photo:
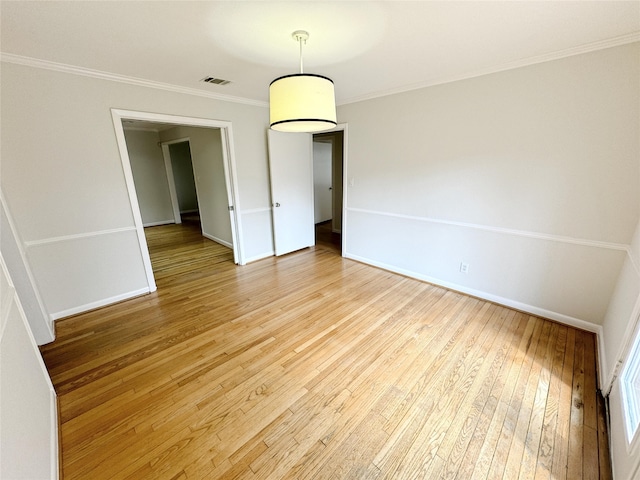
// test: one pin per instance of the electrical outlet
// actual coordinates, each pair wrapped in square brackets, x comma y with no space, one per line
[464,267]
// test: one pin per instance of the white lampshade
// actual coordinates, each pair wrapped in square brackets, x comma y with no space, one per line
[302,102]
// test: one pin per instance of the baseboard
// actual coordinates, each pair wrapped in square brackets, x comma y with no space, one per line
[218,240]
[189,211]
[156,224]
[602,360]
[98,304]
[523,307]
[52,328]
[56,451]
[261,256]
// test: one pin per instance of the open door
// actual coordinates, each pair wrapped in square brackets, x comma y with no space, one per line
[624,406]
[291,170]
[230,183]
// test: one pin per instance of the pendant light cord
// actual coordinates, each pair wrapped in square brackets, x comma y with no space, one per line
[300,39]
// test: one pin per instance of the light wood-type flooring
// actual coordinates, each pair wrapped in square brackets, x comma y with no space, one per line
[314,366]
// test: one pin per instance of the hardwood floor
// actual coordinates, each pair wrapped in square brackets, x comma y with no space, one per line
[313,366]
[327,238]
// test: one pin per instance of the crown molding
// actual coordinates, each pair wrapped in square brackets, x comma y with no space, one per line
[568,52]
[87,72]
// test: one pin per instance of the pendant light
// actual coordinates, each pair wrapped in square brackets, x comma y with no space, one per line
[302,102]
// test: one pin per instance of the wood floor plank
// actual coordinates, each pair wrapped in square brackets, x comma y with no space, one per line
[561,441]
[314,366]
[483,435]
[576,426]
[604,460]
[545,451]
[505,441]
[494,433]
[405,423]
[493,352]
[534,433]
[448,392]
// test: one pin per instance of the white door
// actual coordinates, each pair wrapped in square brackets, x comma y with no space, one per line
[229,183]
[291,169]
[624,408]
[625,454]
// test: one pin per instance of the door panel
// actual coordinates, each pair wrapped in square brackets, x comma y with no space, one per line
[626,460]
[291,170]
[229,183]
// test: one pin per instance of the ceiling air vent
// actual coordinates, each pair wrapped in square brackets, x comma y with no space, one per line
[216,81]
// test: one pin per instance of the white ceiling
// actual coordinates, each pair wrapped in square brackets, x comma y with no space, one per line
[367,48]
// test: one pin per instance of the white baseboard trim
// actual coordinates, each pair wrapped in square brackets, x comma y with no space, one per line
[161,222]
[218,240]
[54,441]
[99,303]
[602,360]
[523,307]
[261,256]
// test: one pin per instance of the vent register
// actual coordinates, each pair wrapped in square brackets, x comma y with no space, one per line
[215,81]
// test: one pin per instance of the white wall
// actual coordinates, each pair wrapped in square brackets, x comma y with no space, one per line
[28,412]
[150,177]
[322,193]
[337,171]
[531,176]
[62,175]
[208,167]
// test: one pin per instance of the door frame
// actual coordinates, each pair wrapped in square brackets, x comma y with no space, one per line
[229,161]
[344,128]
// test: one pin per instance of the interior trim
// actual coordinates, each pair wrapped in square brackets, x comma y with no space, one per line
[99,303]
[141,82]
[506,231]
[87,72]
[568,52]
[66,238]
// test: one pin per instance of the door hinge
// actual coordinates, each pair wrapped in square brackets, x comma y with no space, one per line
[231,209]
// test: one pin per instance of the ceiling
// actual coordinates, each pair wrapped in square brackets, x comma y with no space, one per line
[368,48]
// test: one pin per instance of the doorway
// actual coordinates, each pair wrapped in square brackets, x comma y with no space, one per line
[292,189]
[226,175]
[180,178]
[328,180]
